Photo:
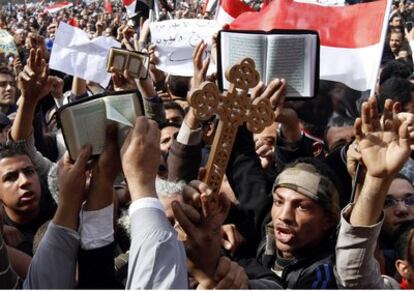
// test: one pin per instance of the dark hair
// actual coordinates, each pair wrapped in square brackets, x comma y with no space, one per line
[167,124]
[315,113]
[397,89]
[174,105]
[395,68]
[403,177]
[178,86]
[6,71]
[8,152]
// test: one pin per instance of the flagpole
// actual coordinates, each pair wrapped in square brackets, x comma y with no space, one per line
[381,45]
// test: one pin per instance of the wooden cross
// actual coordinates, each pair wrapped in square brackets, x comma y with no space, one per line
[233,108]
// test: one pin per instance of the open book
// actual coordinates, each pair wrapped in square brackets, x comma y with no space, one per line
[84,122]
[136,63]
[289,54]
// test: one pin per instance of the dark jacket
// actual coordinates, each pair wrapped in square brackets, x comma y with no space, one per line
[314,270]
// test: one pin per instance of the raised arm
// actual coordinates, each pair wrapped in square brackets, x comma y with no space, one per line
[153,240]
[384,147]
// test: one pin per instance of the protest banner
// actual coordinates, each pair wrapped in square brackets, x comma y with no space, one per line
[176,40]
[7,44]
[75,54]
[352,37]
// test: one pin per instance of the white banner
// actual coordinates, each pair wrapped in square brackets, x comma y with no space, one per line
[176,40]
[75,54]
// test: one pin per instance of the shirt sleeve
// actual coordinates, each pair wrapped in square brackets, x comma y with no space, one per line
[96,227]
[356,266]
[54,264]
[189,136]
[157,259]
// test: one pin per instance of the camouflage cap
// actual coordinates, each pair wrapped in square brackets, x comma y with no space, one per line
[305,179]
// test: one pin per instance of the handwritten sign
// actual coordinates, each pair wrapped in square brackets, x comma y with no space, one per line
[7,44]
[176,40]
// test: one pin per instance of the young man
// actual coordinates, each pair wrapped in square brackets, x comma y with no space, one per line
[25,208]
[299,240]
[7,91]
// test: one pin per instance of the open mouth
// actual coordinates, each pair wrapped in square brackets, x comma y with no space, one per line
[27,196]
[284,234]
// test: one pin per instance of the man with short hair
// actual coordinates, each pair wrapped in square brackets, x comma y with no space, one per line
[299,240]
[7,91]
[395,42]
[21,194]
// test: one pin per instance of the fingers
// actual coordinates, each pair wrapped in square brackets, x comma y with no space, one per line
[366,117]
[82,160]
[374,113]
[404,136]
[277,92]
[198,55]
[205,66]
[358,129]
[388,115]
[185,223]
[258,90]
[192,214]
[232,274]
[111,140]
[223,268]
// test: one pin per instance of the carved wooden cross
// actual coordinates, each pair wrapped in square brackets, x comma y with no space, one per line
[233,108]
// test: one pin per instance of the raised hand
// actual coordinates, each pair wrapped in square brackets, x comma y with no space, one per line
[200,66]
[72,186]
[276,93]
[140,156]
[34,82]
[122,81]
[384,149]
[203,237]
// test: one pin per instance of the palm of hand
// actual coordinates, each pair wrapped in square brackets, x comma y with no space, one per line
[382,153]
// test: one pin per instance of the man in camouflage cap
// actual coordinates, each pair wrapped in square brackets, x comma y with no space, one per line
[299,241]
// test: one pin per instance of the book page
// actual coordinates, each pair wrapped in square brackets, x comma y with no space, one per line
[291,57]
[89,125]
[237,46]
[123,109]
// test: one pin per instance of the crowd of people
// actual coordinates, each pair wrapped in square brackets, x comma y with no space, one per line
[323,198]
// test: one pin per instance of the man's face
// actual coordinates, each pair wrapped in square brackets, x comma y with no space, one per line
[7,90]
[396,21]
[396,211]
[19,186]
[395,41]
[168,134]
[299,222]
[173,115]
[19,38]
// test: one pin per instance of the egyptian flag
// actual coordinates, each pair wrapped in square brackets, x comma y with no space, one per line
[130,7]
[138,8]
[352,37]
[57,7]
[228,10]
